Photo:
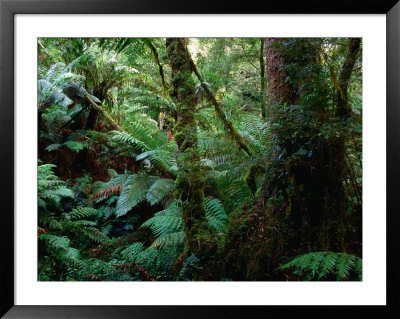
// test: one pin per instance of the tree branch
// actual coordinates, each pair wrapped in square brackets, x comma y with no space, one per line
[160,67]
[105,115]
[227,124]
[44,49]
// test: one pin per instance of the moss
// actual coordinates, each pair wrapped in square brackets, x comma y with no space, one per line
[190,181]
[250,177]
[252,245]
[109,249]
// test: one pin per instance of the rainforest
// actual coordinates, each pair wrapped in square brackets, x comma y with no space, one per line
[199,159]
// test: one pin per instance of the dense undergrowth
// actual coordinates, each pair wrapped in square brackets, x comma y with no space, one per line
[125,129]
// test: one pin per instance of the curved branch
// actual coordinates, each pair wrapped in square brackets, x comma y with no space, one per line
[227,124]
[157,61]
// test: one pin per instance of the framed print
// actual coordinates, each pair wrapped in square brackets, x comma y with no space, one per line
[172,159]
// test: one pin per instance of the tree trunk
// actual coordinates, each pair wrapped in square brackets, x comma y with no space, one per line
[314,185]
[262,79]
[190,180]
[342,105]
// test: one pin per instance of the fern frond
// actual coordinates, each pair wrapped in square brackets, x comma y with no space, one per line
[327,264]
[344,264]
[94,234]
[321,264]
[126,138]
[161,188]
[82,223]
[106,229]
[175,239]
[82,212]
[48,219]
[166,221]
[58,242]
[113,190]
[133,192]
[75,146]
[159,157]
[54,224]
[132,251]
[215,213]
[53,147]
[161,225]
[64,192]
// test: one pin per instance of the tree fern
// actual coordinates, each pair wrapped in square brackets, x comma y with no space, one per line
[323,265]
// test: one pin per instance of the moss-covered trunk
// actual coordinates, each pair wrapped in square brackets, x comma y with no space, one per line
[190,180]
[314,162]
[262,78]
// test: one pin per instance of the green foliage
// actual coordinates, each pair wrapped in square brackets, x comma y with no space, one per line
[82,212]
[215,213]
[133,192]
[167,225]
[59,247]
[116,204]
[325,266]
[159,190]
[49,187]
[61,232]
[75,146]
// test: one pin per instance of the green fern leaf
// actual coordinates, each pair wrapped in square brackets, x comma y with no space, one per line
[175,239]
[53,147]
[94,234]
[345,262]
[133,192]
[132,251]
[322,264]
[75,146]
[161,188]
[215,213]
[82,212]
[327,264]
[166,221]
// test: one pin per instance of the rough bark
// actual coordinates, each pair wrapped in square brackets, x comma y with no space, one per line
[279,90]
[190,181]
[315,183]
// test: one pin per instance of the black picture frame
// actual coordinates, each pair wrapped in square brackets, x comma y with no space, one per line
[8,8]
